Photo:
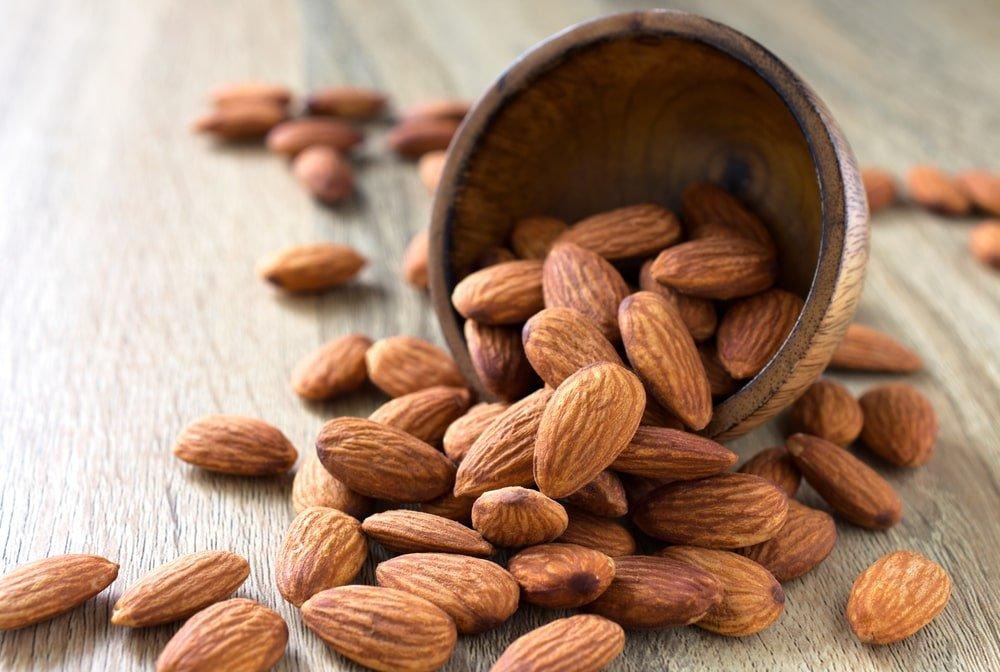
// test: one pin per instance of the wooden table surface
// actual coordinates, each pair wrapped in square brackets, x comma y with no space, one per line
[129,306]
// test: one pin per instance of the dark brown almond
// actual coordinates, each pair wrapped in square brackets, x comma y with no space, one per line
[405,531]
[716,268]
[936,190]
[291,137]
[43,589]
[601,534]
[438,108]
[880,187]
[657,416]
[719,381]
[515,516]
[425,413]
[558,342]
[637,488]
[801,544]
[983,189]
[499,360]
[775,465]
[451,507]
[984,242]
[661,452]
[710,211]
[323,548]
[582,643]
[573,277]
[335,368]
[827,410]
[413,138]
[325,173]
[315,486]
[237,445]
[603,496]
[240,93]
[507,293]
[626,233]
[240,121]
[492,256]
[698,314]
[753,329]
[399,365]
[311,268]
[415,259]
[900,424]
[532,237]
[866,349]
[562,576]
[464,431]
[430,167]
[349,102]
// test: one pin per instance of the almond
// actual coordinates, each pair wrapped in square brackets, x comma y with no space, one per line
[573,277]
[382,628]
[464,431]
[399,365]
[601,534]
[499,360]
[240,121]
[45,588]
[829,411]
[515,516]
[753,329]
[532,237]
[801,544]
[881,188]
[626,233]
[492,256]
[654,592]
[383,462]
[661,452]
[698,314]
[413,138]
[719,381]
[311,268]
[323,548]
[664,355]
[582,643]
[235,634]
[710,212]
[775,465]
[656,416]
[451,507]
[350,102]
[936,190]
[716,268]
[984,242]
[407,531]
[424,414]
[233,444]
[895,597]
[724,511]
[314,486]
[478,594]
[900,425]
[587,423]
[415,259]
[603,496]
[866,349]
[324,173]
[507,293]
[558,342]
[429,169]
[333,369]
[983,189]
[851,487]
[562,576]
[438,108]
[637,488]
[752,599]
[180,588]
[291,137]
[240,93]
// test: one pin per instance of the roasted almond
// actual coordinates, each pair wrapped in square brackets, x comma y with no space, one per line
[776,466]
[43,589]
[719,381]
[603,496]
[558,342]
[429,169]
[438,108]
[293,136]
[515,516]
[464,431]
[532,237]
[801,544]
[180,588]
[507,293]
[241,93]
[626,233]
[425,413]
[324,173]
[478,594]
[698,314]
[415,259]
[335,368]
[323,548]
[661,452]
[601,534]
[936,190]
[399,365]
[851,487]
[827,410]
[234,444]
[315,486]
[311,268]
[716,268]
[350,102]
[407,531]
[451,507]
[866,349]
[499,360]
[582,643]
[709,211]
[240,121]
[413,138]
[880,187]
[561,576]
[753,329]
[900,424]
[573,277]
[984,242]
[983,189]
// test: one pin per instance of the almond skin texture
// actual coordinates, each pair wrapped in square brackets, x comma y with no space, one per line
[664,355]
[513,517]
[291,137]
[562,576]
[424,414]
[407,531]
[180,588]
[499,360]
[324,173]
[856,491]
[399,365]
[829,411]
[895,597]
[587,423]
[698,314]
[238,635]
[801,544]
[323,548]
[983,189]
[601,534]
[429,169]
[558,342]
[582,280]
[383,462]
[311,268]
[724,511]
[900,425]
[43,589]
[866,349]
[582,643]
[415,260]
[661,452]
[880,187]
[413,138]
[478,594]
[333,369]
[936,190]
[716,268]
[464,431]
[603,496]
[382,628]
[507,293]
[653,592]
[776,466]
[314,486]
[251,92]
[753,329]
[233,444]
[710,211]
[349,102]
[240,121]
[719,381]
[984,242]
[626,233]
[752,599]
[532,237]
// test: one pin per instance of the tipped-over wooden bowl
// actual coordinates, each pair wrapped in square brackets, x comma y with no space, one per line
[631,108]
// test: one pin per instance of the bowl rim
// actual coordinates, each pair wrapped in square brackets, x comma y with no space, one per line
[843,250]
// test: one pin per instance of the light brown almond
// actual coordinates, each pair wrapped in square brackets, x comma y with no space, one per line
[801,544]
[405,531]
[984,242]
[753,329]
[603,496]
[415,259]
[880,187]
[719,381]
[349,102]
[698,314]
[515,516]
[234,444]
[631,232]
[601,534]
[936,190]
[429,169]
[562,576]
[291,137]
[581,643]
[983,189]
[44,589]
[311,268]
[532,237]
[573,277]
[866,349]
[507,293]
[240,121]
[827,410]
[499,360]
[716,268]
[424,414]
[775,465]
[238,93]
[399,365]
[709,211]
[464,431]
[324,173]
[315,486]
[900,424]
[412,138]
[438,108]
[661,452]
[558,342]
[323,548]
[335,368]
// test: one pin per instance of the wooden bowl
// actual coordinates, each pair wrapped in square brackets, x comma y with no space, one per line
[631,108]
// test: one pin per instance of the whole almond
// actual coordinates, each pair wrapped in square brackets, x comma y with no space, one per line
[180,588]
[801,544]
[558,342]
[43,589]
[464,431]
[236,634]
[724,511]
[587,423]
[983,189]
[311,268]
[315,486]
[710,211]
[399,365]
[698,314]
[851,487]
[323,548]
[719,381]
[424,414]
[507,293]
[413,138]
[240,121]
[383,462]
[324,172]
[451,507]
[429,169]
[775,465]
[753,329]
[406,531]
[438,108]
[936,190]
[661,452]
[515,516]
[234,444]
[382,628]
[654,592]
[291,137]
[335,368]
[478,594]
[581,643]
[601,534]
[573,277]
[498,357]
[716,268]
[866,349]
[561,576]
[350,102]
[532,237]
[239,93]
[415,259]
[880,187]
[752,599]
[984,242]
[897,596]
[626,233]
[900,424]
[603,496]
[664,355]
[827,410]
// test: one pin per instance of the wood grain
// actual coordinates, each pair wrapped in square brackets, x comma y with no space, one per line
[129,305]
